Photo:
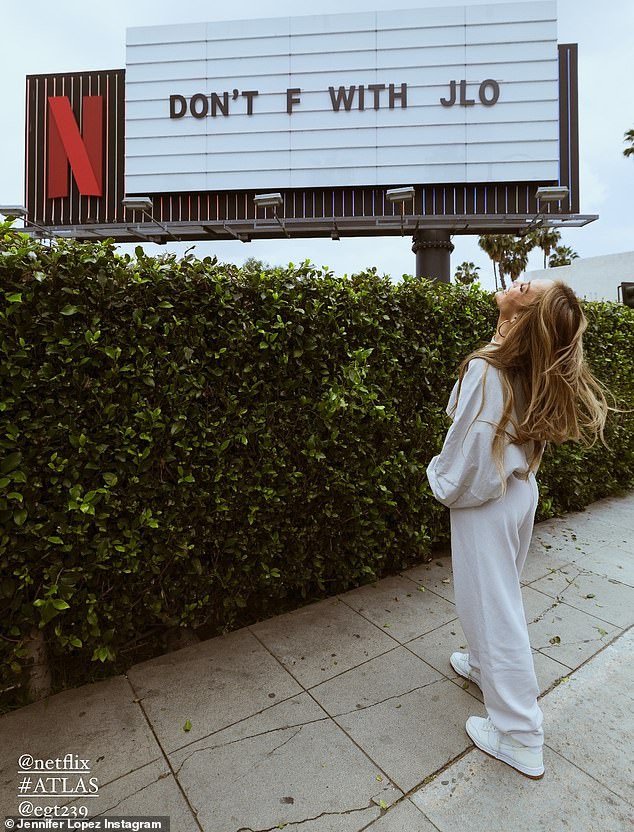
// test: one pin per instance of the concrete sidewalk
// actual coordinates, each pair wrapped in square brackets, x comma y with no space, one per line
[345,715]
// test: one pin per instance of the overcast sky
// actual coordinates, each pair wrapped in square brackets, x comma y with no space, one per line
[73,35]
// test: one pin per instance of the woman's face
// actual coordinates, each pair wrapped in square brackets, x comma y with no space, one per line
[519,293]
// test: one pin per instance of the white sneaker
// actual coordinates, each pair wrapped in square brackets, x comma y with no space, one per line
[529,761]
[460,663]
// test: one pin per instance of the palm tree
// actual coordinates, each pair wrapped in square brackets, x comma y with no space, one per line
[629,137]
[493,245]
[562,256]
[544,238]
[466,273]
[510,253]
[515,257]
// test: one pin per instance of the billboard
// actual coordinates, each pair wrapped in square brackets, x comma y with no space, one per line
[439,95]
[472,108]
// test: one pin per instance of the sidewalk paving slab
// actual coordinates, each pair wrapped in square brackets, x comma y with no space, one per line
[212,684]
[591,718]
[435,576]
[615,561]
[396,605]
[303,766]
[601,597]
[404,817]
[481,794]
[321,640]
[562,632]
[413,736]
[614,508]
[572,535]
[385,677]
[99,722]
[587,786]
[150,790]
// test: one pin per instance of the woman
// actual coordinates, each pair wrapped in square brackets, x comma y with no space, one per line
[528,386]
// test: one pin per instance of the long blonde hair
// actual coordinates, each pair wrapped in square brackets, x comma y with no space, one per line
[545,378]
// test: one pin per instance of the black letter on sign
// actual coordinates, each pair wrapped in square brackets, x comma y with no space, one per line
[347,96]
[192,105]
[217,104]
[292,97]
[402,95]
[174,100]
[449,102]
[249,95]
[376,89]
[495,87]
[466,102]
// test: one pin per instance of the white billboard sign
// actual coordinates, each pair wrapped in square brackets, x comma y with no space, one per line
[419,96]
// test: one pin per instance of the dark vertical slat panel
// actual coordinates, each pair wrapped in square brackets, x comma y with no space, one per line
[34,149]
[460,200]
[319,203]
[43,89]
[84,87]
[564,116]
[27,144]
[39,142]
[418,202]
[116,146]
[119,143]
[500,194]
[108,192]
[479,199]
[574,128]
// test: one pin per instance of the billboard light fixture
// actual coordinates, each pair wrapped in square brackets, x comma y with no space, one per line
[137,203]
[145,205]
[400,194]
[552,194]
[13,210]
[20,212]
[268,200]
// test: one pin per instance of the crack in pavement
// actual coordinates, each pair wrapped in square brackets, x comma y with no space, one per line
[546,611]
[241,739]
[266,756]
[306,820]
[161,776]
[245,719]
[282,744]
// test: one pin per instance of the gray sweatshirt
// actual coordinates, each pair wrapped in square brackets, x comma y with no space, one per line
[464,474]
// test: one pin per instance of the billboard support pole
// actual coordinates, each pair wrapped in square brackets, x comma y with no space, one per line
[433,254]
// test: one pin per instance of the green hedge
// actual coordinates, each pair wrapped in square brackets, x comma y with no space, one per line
[186,444]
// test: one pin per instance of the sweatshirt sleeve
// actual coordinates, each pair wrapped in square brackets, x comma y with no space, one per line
[464,474]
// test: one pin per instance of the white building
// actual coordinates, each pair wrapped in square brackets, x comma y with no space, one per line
[593,278]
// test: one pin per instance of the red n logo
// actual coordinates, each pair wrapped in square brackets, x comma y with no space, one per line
[67,145]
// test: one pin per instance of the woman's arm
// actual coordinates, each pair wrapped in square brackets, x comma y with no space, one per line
[464,474]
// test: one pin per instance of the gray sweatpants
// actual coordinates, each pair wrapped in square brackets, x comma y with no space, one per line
[489,544]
